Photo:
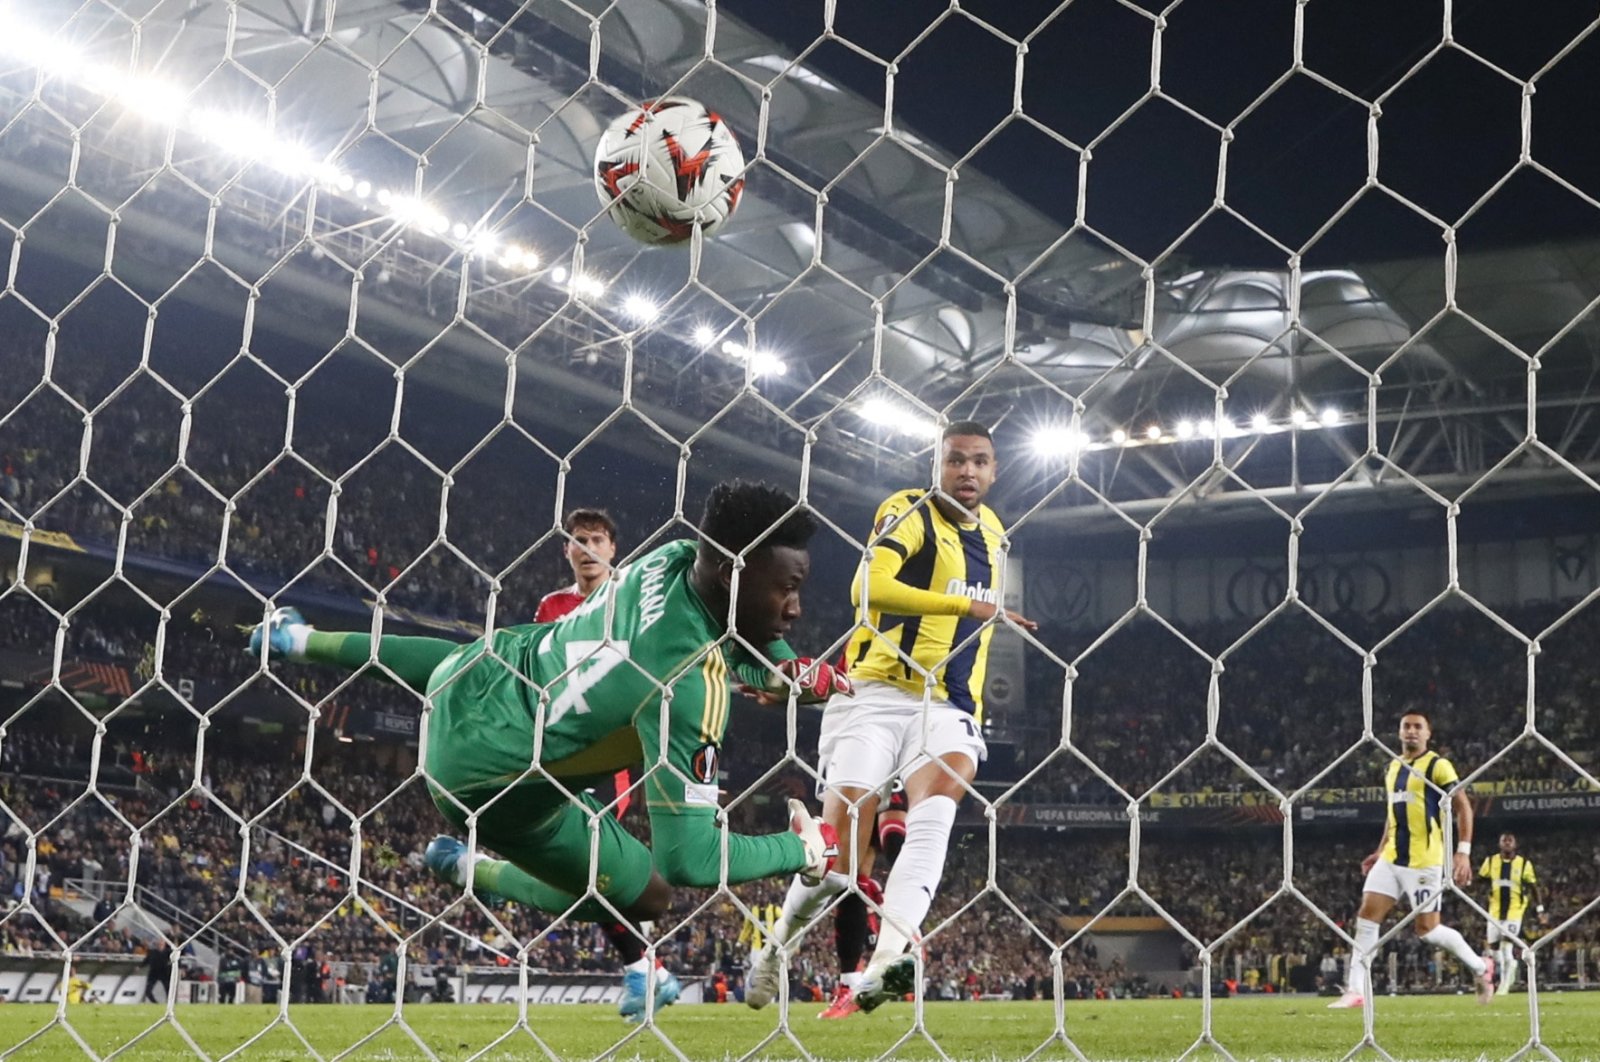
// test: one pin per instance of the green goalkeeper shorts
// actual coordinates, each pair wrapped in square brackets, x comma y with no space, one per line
[479,747]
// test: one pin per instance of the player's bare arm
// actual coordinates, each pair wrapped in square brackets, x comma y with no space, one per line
[1461,864]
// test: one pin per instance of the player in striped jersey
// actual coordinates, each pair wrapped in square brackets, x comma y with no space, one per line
[925,601]
[1409,861]
[641,670]
[1513,885]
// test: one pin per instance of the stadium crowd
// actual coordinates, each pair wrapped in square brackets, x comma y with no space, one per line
[1135,711]
[391,522]
[1138,703]
[295,881]
[1289,705]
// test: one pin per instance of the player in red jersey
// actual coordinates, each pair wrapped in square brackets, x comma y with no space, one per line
[591,547]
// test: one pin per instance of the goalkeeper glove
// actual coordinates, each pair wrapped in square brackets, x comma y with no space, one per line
[821,841]
[284,631]
[817,679]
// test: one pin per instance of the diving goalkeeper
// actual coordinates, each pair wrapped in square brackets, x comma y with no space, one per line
[640,671]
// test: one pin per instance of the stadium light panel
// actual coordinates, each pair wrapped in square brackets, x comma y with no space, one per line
[763,363]
[1330,417]
[1260,423]
[1052,442]
[586,286]
[1060,441]
[156,100]
[405,209]
[641,308]
[1299,418]
[1153,433]
[1119,437]
[1185,429]
[704,335]
[887,414]
[148,98]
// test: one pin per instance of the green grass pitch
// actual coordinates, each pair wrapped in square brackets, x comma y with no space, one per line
[1259,1027]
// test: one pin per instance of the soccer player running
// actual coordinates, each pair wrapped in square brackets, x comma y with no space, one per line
[928,592]
[1409,861]
[641,670]
[1512,887]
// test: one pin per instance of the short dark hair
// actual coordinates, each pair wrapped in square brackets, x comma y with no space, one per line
[577,518]
[738,513]
[1426,718]
[966,427]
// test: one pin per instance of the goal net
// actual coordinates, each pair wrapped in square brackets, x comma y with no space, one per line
[1280,323]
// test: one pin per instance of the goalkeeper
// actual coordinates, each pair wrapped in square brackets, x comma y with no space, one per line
[640,671]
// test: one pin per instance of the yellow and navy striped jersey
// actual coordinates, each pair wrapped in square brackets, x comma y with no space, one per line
[1416,825]
[929,553]
[756,933]
[1508,891]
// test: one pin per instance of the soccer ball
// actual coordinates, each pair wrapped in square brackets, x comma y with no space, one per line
[666,166]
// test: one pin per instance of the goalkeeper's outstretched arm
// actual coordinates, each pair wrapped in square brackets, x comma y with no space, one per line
[683,763]
[409,660]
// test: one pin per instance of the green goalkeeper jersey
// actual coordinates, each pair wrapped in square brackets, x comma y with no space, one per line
[633,674]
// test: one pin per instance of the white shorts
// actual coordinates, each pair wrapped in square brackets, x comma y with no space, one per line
[1510,929]
[880,735]
[1421,887]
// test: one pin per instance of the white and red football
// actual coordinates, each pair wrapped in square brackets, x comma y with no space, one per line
[665,167]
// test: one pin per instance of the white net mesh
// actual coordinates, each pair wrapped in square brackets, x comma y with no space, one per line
[1283,328]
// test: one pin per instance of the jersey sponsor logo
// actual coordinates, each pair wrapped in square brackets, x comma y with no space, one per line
[702,795]
[704,764]
[652,592]
[1400,798]
[976,591]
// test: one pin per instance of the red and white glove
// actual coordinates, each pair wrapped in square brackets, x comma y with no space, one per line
[818,680]
[821,841]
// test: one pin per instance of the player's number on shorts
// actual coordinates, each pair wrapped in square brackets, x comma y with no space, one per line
[1422,897]
[588,662]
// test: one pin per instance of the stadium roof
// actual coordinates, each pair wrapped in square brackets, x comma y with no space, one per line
[1054,305]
